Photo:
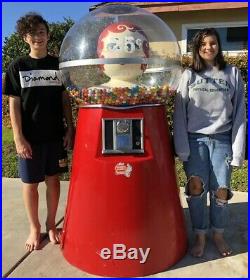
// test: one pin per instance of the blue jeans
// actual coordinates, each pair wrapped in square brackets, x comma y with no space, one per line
[210,157]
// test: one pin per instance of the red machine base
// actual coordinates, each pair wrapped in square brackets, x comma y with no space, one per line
[123,216]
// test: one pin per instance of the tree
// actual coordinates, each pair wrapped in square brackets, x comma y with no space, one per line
[14,46]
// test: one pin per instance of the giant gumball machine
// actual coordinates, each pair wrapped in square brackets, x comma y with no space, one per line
[123,215]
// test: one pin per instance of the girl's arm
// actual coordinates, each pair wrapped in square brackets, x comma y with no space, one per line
[239,121]
[180,119]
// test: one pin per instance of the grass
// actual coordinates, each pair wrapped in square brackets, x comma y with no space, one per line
[9,157]
[239,180]
[7,135]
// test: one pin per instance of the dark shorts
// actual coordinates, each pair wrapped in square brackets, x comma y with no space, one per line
[48,159]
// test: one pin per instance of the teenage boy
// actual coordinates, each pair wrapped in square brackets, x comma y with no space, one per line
[38,104]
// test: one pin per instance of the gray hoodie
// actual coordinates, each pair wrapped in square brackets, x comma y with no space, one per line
[210,102]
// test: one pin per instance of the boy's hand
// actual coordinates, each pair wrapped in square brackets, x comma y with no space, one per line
[68,139]
[23,148]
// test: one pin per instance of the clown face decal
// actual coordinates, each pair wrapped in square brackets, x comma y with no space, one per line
[123,40]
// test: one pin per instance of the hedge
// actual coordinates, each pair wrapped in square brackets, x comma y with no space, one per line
[239,176]
[241,61]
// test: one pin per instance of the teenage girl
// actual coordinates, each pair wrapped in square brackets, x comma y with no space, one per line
[209,136]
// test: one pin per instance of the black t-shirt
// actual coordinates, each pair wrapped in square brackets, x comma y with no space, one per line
[39,85]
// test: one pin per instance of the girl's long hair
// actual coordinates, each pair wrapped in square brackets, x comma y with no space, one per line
[198,63]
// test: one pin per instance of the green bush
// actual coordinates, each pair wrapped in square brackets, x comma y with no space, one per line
[9,158]
[241,61]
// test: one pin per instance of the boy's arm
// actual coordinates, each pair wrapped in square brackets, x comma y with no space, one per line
[23,147]
[67,111]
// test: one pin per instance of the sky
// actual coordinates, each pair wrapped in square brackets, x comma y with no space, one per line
[51,11]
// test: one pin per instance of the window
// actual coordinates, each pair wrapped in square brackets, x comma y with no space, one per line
[237,34]
[233,38]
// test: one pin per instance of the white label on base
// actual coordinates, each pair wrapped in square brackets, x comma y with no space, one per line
[122,168]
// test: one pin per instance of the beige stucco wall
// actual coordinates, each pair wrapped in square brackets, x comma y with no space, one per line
[176,19]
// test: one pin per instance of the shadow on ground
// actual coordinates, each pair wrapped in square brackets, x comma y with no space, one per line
[236,235]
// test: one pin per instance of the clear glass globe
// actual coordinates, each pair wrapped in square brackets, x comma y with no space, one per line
[120,55]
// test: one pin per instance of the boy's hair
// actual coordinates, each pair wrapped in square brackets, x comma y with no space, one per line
[29,23]
[198,63]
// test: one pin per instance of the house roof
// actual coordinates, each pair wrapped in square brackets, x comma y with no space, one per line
[163,7]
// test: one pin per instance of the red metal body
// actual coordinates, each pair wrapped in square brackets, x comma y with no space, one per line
[140,211]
